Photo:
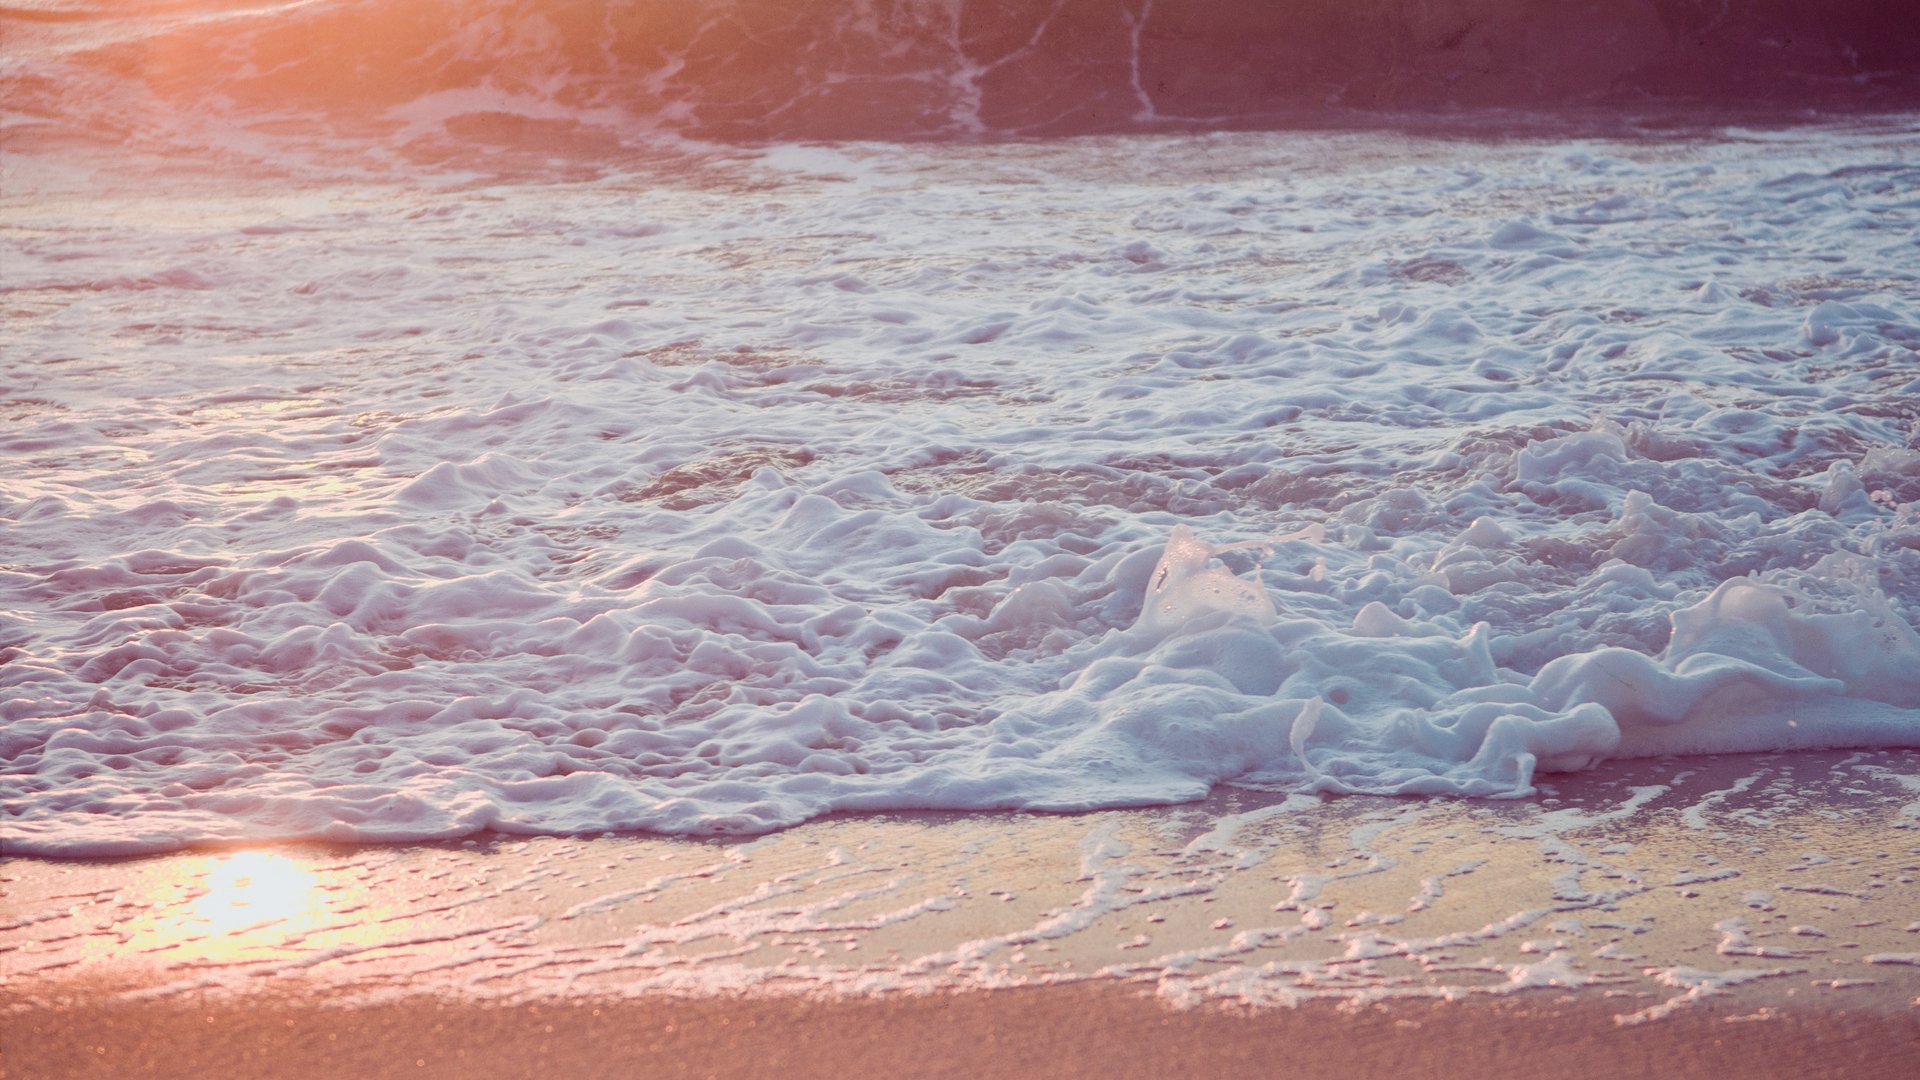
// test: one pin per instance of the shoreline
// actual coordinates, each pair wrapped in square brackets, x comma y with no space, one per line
[1757,912]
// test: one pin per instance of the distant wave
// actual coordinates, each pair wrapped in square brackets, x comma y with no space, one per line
[774,69]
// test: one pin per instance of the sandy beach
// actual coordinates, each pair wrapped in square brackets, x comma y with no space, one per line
[1068,1031]
[958,538]
[1747,913]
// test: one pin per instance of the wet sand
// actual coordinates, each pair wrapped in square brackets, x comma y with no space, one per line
[1064,1031]
[1755,913]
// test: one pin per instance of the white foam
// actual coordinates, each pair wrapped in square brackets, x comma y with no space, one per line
[716,497]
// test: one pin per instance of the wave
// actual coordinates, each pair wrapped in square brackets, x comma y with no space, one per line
[1055,475]
[564,71]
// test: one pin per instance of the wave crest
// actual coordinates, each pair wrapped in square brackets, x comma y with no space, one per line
[767,69]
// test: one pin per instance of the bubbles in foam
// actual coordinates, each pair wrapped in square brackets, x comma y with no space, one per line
[674,502]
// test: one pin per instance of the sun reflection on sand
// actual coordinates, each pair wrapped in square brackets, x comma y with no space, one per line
[234,904]
[251,888]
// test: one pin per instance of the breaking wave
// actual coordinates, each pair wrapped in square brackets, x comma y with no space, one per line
[578,73]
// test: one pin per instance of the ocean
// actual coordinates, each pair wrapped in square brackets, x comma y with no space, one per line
[423,420]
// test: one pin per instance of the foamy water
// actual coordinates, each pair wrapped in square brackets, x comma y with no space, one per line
[701,489]
[415,429]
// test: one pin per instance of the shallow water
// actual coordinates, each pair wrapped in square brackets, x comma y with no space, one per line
[727,487]
[1744,887]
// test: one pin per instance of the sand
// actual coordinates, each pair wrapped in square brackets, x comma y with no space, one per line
[1066,1031]
[1751,913]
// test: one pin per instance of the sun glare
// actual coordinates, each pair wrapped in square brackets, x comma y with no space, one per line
[249,888]
[225,906]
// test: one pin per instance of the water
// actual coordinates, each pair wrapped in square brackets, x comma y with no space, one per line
[428,76]
[391,470]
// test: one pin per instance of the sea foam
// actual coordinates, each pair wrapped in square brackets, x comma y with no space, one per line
[766,484]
